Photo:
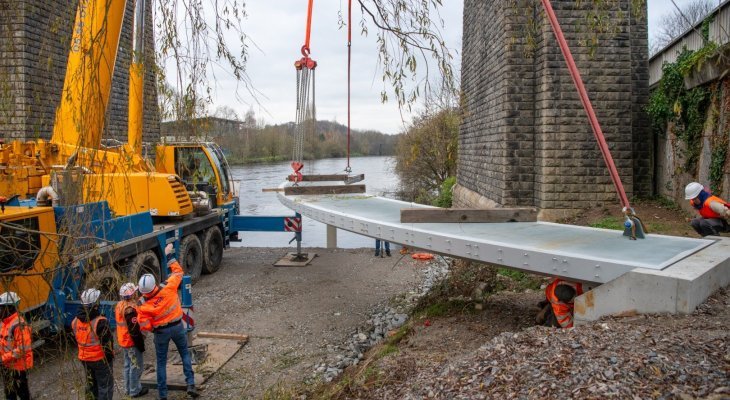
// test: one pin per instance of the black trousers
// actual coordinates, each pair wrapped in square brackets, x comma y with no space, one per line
[15,384]
[710,226]
[99,380]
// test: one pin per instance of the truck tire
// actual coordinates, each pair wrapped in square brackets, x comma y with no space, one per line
[144,263]
[107,279]
[212,250]
[191,256]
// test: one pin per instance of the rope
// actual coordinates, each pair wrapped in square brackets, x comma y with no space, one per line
[348,169]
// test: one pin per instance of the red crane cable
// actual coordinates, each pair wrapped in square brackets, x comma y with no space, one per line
[349,59]
[578,81]
[309,29]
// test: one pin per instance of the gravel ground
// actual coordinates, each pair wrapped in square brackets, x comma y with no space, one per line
[641,357]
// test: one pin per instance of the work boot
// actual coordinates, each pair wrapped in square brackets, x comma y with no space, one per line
[387,253]
[377,254]
[192,392]
[141,393]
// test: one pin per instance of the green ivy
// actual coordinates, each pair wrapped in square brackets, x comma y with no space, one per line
[685,109]
[717,164]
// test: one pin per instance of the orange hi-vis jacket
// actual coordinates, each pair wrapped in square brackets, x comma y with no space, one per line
[706,211]
[123,336]
[164,308]
[15,343]
[90,348]
[563,311]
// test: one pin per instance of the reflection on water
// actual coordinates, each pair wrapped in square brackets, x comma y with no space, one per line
[379,180]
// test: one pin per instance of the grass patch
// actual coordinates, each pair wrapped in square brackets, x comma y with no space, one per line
[285,360]
[608,223]
[387,350]
[521,280]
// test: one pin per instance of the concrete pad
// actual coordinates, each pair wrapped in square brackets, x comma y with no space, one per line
[679,288]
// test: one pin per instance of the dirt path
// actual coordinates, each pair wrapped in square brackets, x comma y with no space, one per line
[292,315]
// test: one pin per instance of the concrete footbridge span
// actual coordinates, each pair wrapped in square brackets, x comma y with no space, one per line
[657,274]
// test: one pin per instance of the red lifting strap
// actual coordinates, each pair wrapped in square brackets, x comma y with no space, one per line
[305,48]
[578,81]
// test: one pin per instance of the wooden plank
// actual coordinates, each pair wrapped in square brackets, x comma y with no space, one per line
[322,178]
[355,179]
[332,189]
[216,335]
[219,351]
[272,189]
[290,260]
[465,215]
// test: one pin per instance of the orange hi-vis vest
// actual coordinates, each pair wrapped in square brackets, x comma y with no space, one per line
[16,343]
[88,341]
[123,336]
[706,211]
[563,311]
[164,308]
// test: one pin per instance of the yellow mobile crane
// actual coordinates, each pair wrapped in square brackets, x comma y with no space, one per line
[74,161]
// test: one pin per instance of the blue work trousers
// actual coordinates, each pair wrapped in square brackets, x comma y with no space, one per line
[176,333]
[377,247]
[133,366]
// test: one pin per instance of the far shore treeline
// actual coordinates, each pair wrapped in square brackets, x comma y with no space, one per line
[248,141]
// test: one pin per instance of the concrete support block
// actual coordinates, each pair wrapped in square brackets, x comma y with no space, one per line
[331,237]
[679,288]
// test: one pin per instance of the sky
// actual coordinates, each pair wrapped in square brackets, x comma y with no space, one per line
[276,29]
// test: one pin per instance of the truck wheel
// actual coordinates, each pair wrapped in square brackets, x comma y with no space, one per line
[212,250]
[191,256]
[144,263]
[107,279]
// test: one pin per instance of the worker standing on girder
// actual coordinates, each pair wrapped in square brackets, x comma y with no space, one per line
[162,314]
[131,339]
[557,308]
[96,346]
[15,348]
[713,211]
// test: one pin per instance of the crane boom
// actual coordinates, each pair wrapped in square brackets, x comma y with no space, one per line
[87,85]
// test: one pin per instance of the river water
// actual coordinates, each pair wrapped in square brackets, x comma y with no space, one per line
[379,180]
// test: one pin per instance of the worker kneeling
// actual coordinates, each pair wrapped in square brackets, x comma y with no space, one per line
[557,308]
[161,313]
[15,348]
[96,346]
[713,211]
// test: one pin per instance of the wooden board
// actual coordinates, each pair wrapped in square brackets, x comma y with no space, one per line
[219,352]
[288,261]
[322,178]
[463,215]
[331,189]
[216,335]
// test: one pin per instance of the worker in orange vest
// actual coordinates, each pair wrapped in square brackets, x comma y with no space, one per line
[15,348]
[96,346]
[160,312]
[557,308]
[713,211]
[131,340]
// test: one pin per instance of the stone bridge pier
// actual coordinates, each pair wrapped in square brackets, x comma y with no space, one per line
[525,139]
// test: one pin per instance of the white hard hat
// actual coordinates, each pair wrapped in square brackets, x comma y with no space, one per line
[90,296]
[9,298]
[127,290]
[692,190]
[147,283]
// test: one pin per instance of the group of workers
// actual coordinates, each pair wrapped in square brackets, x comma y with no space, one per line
[157,310]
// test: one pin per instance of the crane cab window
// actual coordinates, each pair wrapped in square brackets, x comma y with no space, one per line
[20,244]
[194,167]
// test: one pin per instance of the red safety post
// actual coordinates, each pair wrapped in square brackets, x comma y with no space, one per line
[578,81]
